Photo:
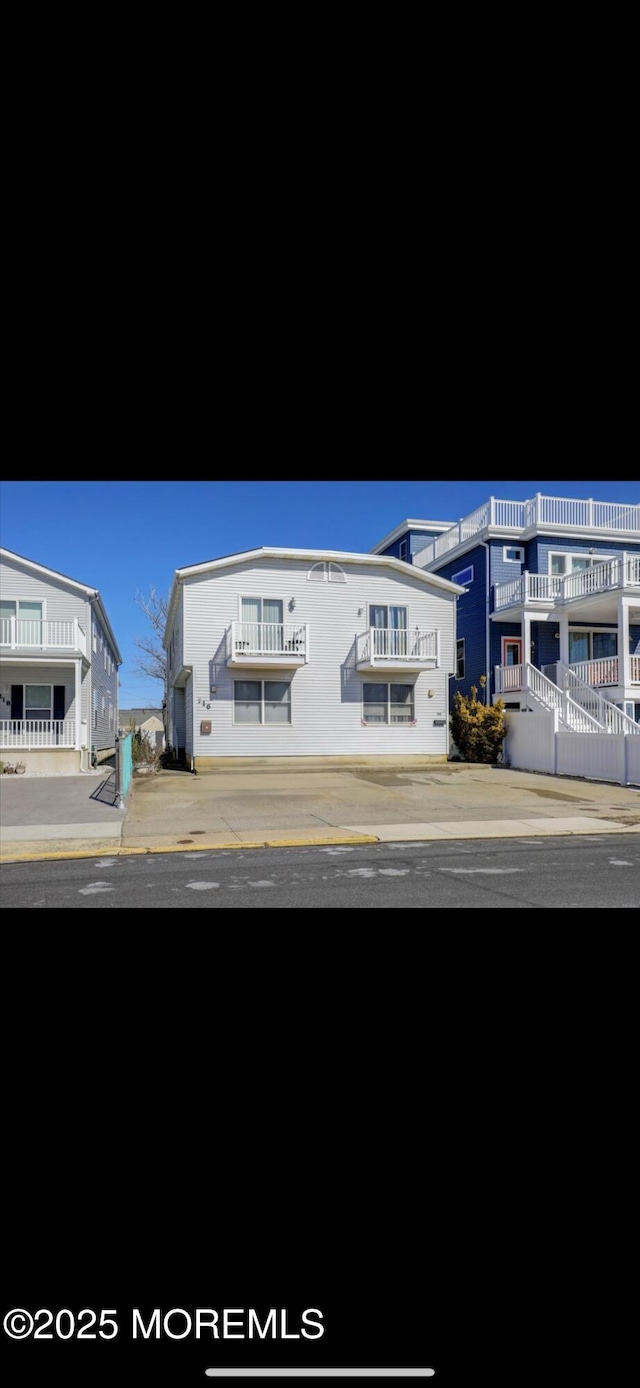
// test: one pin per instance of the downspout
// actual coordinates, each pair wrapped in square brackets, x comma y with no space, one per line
[193,719]
[487,688]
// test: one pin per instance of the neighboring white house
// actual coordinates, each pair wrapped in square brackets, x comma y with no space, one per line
[314,653]
[58,670]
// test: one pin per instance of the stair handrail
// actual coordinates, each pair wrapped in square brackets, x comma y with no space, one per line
[612,719]
[558,700]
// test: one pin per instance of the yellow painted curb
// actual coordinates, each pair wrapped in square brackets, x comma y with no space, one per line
[182,848]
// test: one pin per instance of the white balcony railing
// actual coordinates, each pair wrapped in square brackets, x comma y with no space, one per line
[246,639]
[517,516]
[611,574]
[399,645]
[26,633]
[39,732]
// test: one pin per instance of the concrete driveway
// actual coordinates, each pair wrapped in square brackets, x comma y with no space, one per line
[174,811]
[49,807]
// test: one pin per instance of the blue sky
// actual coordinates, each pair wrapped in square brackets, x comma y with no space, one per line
[121,537]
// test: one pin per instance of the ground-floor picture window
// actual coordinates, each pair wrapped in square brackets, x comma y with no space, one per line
[592,645]
[387,703]
[262,701]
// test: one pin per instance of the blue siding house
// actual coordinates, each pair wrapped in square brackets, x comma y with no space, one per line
[551,608]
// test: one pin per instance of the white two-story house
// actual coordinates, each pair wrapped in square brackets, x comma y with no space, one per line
[308,653]
[58,670]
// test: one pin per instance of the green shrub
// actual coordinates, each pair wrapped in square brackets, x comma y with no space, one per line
[143,751]
[477,729]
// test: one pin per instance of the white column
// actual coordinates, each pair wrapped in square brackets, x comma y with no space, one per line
[526,638]
[78,686]
[563,653]
[624,658]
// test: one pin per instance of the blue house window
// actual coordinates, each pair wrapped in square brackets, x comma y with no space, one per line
[513,554]
[403,550]
[464,576]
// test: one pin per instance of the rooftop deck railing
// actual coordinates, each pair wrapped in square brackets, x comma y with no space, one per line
[563,513]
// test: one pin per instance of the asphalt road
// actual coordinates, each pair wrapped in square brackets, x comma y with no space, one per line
[601,872]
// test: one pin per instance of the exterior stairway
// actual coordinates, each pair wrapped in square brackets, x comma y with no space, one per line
[579,706]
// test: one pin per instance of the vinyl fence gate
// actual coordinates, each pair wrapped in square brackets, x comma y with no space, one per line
[124,767]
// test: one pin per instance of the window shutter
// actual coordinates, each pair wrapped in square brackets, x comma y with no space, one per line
[17,705]
[58,702]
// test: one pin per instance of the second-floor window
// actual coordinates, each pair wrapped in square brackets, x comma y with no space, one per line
[460,658]
[574,563]
[392,618]
[261,610]
[27,624]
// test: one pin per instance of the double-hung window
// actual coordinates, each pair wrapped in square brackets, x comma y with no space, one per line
[262,701]
[37,702]
[387,703]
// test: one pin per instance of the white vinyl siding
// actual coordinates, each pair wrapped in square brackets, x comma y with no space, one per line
[327,691]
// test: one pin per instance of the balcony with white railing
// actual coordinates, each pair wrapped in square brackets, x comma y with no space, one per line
[396,649]
[37,732]
[267,645]
[52,638]
[555,513]
[556,590]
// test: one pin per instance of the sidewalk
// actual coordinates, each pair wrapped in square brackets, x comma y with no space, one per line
[281,804]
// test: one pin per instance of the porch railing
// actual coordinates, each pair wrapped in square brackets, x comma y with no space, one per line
[596,672]
[527,679]
[267,638]
[38,732]
[561,512]
[17,633]
[398,644]
[605,671]
[611,574]
[581,708]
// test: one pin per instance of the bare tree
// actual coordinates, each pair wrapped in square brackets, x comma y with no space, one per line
[152,657]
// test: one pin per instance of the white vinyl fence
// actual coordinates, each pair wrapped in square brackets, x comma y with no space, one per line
[533,743]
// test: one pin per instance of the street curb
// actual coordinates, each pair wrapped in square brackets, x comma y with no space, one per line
[121,852]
